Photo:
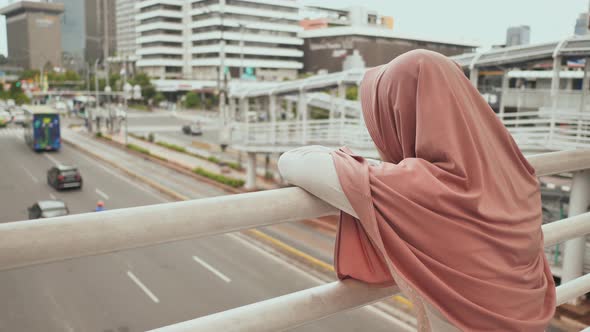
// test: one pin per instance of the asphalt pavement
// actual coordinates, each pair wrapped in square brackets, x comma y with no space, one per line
[144,288]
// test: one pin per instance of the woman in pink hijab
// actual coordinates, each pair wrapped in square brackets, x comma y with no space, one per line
[452,214]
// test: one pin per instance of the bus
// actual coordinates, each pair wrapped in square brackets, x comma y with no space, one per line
[41,128]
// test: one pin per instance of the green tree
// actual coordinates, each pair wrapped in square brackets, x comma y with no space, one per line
[3,94]
[192,100]
[147,89]
[159,97]
[29,74]
[21,98]
[352,93]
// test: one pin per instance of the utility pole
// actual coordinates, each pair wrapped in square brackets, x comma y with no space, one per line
[222,79]
[106,42]
[125,92]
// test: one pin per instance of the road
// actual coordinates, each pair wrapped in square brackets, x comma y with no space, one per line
[137,289]
[167,127]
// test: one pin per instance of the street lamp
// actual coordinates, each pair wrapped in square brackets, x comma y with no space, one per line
[127,88]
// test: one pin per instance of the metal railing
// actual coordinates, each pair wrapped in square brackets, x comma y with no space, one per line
[545,130]
[537,98]
[334,132]
[33,242]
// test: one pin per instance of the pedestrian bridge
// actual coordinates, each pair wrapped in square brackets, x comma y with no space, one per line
[32,242]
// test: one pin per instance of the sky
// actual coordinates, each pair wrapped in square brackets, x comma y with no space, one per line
[482,22]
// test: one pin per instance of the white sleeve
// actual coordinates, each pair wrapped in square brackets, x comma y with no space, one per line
[312,169]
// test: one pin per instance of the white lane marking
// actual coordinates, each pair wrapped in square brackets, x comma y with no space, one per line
[278,260]
[53,160]
[101,194]
[106,169]
[31,175]
[212,269]
[52,196]
[143,287]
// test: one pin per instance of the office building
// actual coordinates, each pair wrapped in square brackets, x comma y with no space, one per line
[518,35]
[190,39]
[88,31]
[581,27]
[34,34]
[332,36]
[126,36]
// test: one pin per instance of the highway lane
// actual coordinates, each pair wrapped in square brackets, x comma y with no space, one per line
[137,289]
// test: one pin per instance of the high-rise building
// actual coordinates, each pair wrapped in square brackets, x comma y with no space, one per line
[337,39]
[518,35]
[126,37]
[190,39]
[88,31]
[3,45]
[34,33]
[581,27]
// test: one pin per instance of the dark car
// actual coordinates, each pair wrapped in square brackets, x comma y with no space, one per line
[48,209]
[192,129]
[63,177]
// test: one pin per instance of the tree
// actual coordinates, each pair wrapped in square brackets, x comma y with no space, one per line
[29,74]
[159,97]
[352,93]
[147,89]
[192,100]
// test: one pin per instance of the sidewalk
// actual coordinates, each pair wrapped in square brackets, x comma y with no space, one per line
[191,162]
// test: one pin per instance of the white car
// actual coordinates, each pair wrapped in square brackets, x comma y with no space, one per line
[61,107]
[18,116]
[5,118]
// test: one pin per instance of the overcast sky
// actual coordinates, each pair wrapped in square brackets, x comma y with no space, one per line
[480,21]
[483,22]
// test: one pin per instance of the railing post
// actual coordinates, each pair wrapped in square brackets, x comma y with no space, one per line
[302,110]
[251,171]
[555,80]
[574,250]
[272,108]
[505,84]
[342,96]
[244,106]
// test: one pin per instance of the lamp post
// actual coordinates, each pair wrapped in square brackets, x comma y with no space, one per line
[126,94]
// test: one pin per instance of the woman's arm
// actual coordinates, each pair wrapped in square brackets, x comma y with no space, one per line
[312,168]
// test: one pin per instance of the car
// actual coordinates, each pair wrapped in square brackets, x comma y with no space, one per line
[48,209]
[18,116]
[5,118]
[192,129]
[64,177]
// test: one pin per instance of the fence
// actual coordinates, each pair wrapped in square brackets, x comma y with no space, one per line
[61,238]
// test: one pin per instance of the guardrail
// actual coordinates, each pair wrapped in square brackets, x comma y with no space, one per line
[544,130]
[28,243]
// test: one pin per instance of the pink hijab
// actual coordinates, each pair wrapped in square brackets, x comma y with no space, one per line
[455,211]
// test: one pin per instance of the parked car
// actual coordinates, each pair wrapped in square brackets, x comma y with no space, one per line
[48,209]
[192,129]
[63,177]
[18,116]
[5,118]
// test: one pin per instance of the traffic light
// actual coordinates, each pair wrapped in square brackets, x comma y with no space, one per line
[18,84]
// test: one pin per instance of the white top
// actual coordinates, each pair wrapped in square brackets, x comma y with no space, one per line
[312,169]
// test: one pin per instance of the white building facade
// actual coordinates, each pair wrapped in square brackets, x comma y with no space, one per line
[126,34]
[193,39]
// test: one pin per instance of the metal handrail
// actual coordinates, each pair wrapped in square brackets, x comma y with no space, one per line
[31,242]
[54,239]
